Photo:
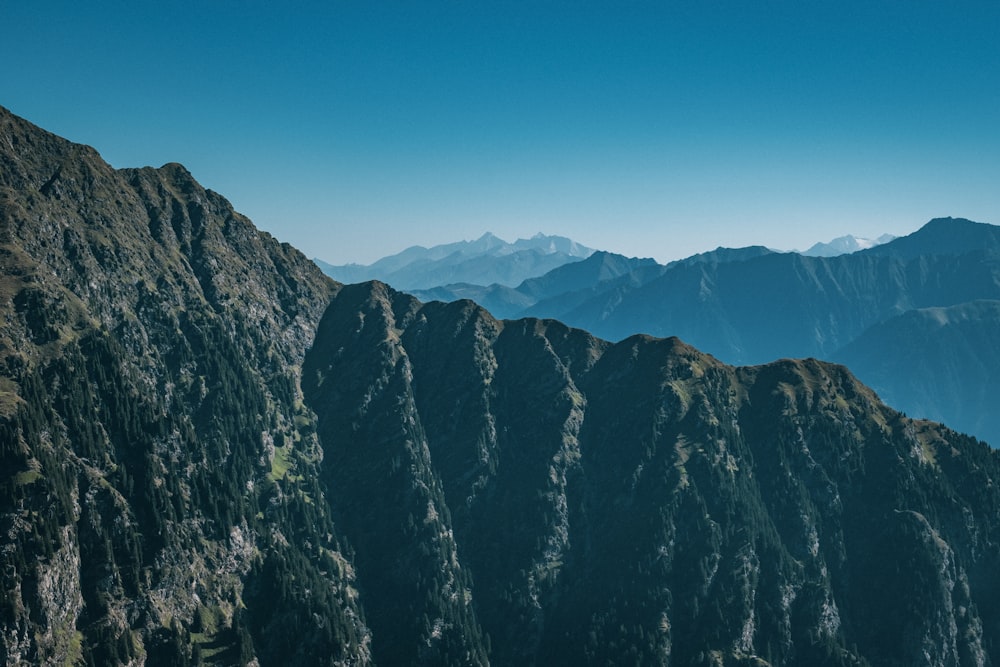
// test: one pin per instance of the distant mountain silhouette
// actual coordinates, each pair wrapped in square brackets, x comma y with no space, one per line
[564,283]
[575,283]
[938,363]
[485,261]
[786,304]
[843,245]
[944,236]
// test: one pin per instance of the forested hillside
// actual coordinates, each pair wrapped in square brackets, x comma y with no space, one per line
[159,495]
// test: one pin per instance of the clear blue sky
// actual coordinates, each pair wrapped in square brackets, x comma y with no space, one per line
[355,129]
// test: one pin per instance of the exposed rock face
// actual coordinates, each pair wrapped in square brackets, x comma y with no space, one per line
[152,433]
[209,453]
[641,500]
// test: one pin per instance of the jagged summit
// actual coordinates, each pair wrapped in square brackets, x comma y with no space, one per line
[485,261]
[847,244]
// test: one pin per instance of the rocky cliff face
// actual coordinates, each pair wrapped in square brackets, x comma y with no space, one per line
[580,502]
[153,439]
[211,454]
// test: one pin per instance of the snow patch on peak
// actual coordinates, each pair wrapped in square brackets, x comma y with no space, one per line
[843,245]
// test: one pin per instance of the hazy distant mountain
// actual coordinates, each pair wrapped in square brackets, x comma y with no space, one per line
[562,284]
[843,245]
[485,261]
[936,363]
[574,283]
[787,304]
[502,301]
[724,255]
[791,305]
[598,268]
[212,454]
[948,237]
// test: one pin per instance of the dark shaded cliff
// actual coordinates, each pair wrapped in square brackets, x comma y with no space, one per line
[211,454]
[581,502]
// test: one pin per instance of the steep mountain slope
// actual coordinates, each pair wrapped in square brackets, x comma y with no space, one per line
[210,454]
[579,502]
[941,363]
[158,497]
[485,261]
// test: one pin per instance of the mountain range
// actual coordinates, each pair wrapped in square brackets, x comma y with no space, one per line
[752,305]
[489,268]
[488,260]
[939,363]
[211,453]
[843,245]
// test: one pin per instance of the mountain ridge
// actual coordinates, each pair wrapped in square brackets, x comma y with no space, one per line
[596,393]
[943,236]
[947,373]
[488,259]
[149,389]
[212,454]
[751,305]
[843,245]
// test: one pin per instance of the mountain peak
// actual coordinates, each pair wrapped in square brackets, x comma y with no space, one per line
[944,236]
[843,245]
[949,220]
[487,260]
